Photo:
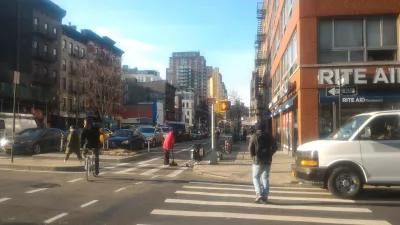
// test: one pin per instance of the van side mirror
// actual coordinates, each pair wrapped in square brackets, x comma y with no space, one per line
[367,134]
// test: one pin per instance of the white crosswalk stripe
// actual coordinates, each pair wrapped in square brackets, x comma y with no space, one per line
[213,203]
[152,170]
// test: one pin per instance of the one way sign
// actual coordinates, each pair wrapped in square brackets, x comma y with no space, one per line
[334,91]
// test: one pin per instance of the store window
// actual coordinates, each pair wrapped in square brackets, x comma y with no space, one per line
[325,120]
[289,63]
[343,39]
[276,80]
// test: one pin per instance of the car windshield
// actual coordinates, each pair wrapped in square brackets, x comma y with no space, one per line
[34,132]
[349,128]
[123,133]
[146,130]
[165,129]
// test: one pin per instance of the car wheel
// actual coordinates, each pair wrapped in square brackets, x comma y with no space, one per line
[36,149]
[345,182]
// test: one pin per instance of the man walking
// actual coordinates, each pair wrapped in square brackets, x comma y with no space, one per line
[262,147]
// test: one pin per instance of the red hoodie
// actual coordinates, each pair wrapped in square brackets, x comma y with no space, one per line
[169,141]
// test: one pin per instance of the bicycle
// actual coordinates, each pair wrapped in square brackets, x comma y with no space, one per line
[89,164]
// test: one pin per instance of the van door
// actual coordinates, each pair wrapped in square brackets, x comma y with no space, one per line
[380,149]
[2,128]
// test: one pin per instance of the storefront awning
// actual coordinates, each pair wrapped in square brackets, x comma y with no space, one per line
[284,106]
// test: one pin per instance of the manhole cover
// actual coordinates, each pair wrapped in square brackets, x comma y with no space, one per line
[45,185]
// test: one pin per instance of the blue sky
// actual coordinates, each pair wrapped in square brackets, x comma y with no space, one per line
[150,30]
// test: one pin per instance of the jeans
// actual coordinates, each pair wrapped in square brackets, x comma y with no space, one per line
[261,171]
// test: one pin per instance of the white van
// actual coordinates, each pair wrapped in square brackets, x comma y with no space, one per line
[366,150]
[22,122]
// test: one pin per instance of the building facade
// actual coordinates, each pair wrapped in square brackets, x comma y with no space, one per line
[315,44]
[188,106]
[188,70]
[31,32]
[141,75]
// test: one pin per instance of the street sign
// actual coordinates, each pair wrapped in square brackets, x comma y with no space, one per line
[16,77]
[211,101]
[334,91]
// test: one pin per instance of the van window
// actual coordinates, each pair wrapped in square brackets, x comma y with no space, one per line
[2,125]
[385,127]
[349,128]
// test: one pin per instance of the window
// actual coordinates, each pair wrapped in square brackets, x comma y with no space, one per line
[183,105]
[54,52]
[64,104]
[188,113]
[277,40]
[45,48]
[55,31]
[36,47]
[343,40]
[276,80]
[289,59]
[35,21]
[71,66]
[382,128]
[64,65]
[54,74]
[187,104]
[97,51]
[46,27]
[82,52]
[64,45]
[126,87]
[287,13]
[45,70]
[76,50]
[82,105]
[71,48]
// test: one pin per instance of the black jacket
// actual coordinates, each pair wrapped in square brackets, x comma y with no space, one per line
[254,147]
[90,137]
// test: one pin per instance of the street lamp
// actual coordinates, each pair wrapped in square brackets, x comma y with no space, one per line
[340,83]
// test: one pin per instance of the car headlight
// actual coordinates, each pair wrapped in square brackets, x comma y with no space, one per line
[307,158]
[3,142]
[125,142]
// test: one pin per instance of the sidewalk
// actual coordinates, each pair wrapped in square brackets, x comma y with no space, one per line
[237,167]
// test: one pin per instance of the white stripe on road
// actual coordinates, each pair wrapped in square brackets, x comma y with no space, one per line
[118,190]
[251,186]
[89,203]
[177,172]
[270,197]
[132,169]
[122,164]
[153,177]
[153,170]
[269,206]
[139,182]
[4,199]
[252,190]
[109,167]
[75,180]
[268,217]
[55,218]
[144,162]
[102,173]
[36,190]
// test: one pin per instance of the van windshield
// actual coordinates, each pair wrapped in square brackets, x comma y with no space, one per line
[349,128]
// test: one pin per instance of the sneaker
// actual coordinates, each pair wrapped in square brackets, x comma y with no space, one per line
[259,200]
[265,201]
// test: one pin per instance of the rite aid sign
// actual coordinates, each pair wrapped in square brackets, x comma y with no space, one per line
[331,76]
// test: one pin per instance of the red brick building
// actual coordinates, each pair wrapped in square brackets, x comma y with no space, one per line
[310,44]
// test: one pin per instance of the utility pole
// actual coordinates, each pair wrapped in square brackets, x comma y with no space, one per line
[214,156]
[16,81]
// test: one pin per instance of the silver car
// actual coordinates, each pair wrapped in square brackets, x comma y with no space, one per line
[153,135]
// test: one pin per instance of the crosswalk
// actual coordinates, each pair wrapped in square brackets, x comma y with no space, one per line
[216,203]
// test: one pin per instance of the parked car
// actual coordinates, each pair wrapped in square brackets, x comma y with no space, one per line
[365,151]
[153,135]
[127,139]
[196,134]
[34,140]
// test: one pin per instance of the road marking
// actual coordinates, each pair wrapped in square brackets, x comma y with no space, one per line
[144,162]
[177,172]
[153,177]
[131,169]
[102,173]
[4,199]
[75,180]
[270,197]
[153,170]
[55,218]
[183,150]
[270,206]
[122,164]
[250,186]
[118,190]
[252,190]
[139,182]
[36,190]
[89,203]
[109,167]
[268,217]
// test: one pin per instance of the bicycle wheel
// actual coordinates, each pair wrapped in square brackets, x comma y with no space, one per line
[87,168]
[93,167]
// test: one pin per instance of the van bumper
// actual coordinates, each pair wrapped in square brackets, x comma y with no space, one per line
[310,174]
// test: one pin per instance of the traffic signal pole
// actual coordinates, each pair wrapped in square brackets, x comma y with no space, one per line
[214,156]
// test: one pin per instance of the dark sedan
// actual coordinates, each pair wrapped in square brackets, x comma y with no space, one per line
[35,140]
[127,139]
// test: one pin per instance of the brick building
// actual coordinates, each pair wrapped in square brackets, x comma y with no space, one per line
[310,45]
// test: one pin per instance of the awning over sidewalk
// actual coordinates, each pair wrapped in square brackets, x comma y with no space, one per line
[284,106]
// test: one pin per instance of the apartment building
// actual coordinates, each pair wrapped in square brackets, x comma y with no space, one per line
[141,75]
[312,47]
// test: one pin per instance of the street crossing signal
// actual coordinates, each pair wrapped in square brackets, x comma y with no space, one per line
[225,106]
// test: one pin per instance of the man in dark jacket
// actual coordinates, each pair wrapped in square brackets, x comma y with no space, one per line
[90,139]
[262,147]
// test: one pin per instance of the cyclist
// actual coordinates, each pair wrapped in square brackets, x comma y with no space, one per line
[90,139]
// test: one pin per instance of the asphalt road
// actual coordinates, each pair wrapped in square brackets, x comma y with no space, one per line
[146,192]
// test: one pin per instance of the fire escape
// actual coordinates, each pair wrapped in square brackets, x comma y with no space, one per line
[260,61]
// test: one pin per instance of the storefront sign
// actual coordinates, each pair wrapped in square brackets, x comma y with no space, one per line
[345,91]
[331,76]
[361,100]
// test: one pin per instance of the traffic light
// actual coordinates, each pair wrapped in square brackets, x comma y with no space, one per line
[225,106]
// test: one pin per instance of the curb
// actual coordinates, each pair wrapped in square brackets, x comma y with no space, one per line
[45,168]
[121,160]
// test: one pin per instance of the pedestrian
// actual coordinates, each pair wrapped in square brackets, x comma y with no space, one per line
[90,140]
[168,144]
[262,146]
[73,145]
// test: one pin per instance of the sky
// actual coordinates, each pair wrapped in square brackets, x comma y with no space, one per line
[150,30]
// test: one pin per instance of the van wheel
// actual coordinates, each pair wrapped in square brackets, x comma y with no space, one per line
[345,182]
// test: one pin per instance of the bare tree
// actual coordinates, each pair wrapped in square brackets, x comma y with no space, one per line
[103,85]
[237,109]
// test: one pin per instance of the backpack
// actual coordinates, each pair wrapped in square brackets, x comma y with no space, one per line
[263,150]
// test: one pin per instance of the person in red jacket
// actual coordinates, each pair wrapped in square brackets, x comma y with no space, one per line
[169,143]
